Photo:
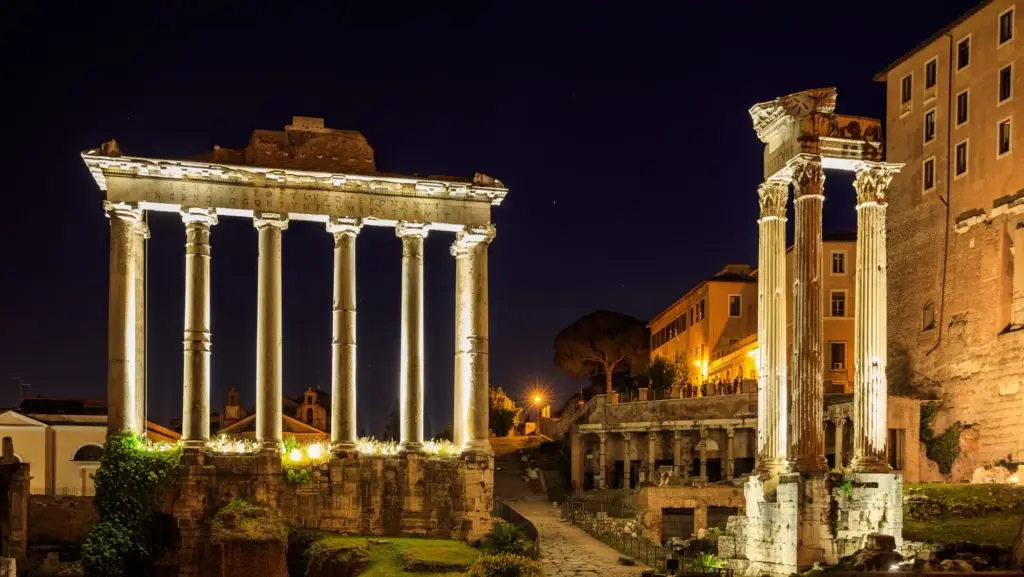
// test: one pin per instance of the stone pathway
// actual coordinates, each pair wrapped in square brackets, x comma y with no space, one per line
[567,550]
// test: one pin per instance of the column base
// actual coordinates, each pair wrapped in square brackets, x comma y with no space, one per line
[271,446]
[816,464]
[478,448]
[193,445]
[344,448]
[410,447]
[869,464]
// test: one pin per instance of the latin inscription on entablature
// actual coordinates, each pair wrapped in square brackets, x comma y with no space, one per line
[377,200]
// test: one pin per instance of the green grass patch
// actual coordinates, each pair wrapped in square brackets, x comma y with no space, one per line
[995,529]
[395,557]
[964,495]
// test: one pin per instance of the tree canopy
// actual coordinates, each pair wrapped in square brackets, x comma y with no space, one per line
[602,343]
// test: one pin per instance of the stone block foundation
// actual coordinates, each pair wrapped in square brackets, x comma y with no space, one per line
[408,494]
[796,520]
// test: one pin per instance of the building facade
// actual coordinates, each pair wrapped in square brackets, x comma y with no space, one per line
[62,440]
[956,226]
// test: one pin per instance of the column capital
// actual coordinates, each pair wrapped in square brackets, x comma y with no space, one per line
[207,216]
[627,435]
[730,432]
[128,211]
[677,434]
[471,236]
[275,219]
[808,176]
[603,436]
[340,226]
[872,181]
[405,229]
[772,195]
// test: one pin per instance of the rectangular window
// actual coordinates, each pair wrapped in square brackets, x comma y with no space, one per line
[907,88]
[963,53]
[700,310]
[928,174]
[930,73]
[838,263]
[735,305]
[1003,146]
[837,355]
[1005,83]
[1006,27]
[929,126]
[685,321]
[962,102]
[839,303]
[961,158]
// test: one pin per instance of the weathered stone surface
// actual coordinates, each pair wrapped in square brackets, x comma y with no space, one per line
[60,519]
[1018,548]
[8,567]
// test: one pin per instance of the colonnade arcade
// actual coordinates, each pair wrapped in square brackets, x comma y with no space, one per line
[803,136]
[203,192]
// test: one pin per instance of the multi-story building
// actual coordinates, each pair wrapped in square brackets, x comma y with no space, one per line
[714,325]
[956,226]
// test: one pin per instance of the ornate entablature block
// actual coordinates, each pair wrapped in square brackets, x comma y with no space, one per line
[805,123]
[241,188]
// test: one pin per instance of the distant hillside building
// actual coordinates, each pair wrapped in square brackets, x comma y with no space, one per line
[955,116]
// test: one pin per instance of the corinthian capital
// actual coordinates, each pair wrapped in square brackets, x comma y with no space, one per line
[470,237]
[808,176]
[872,181]
[772,195]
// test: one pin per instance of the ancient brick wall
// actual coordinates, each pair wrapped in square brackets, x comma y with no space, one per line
[652,500]
[407,495]
[54,520]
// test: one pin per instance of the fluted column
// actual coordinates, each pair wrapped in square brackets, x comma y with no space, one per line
[411,361]
[602,462]
[870,390]
[139,236]
[807,395]
[343,333]
[195,415]
[126,229]
[268,330]
[470,424]
[771,325]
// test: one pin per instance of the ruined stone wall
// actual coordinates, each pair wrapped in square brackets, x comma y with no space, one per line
[764,540]
[408,495]
[651,500]
[54,520]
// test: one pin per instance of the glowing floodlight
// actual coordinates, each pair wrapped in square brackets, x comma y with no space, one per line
[315,451]
[295,455]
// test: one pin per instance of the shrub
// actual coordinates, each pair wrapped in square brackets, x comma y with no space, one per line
[707,561]
[298,476]
[505,565]
[506,538]
[130,484]
[944,449]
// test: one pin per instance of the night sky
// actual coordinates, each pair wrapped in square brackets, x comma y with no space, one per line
[621,130]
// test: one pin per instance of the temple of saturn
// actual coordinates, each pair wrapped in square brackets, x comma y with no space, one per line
[308,172]
[796,513]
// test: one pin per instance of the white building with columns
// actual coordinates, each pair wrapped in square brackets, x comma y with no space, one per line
[305,173]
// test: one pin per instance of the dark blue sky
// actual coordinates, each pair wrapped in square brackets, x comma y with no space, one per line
[621,129]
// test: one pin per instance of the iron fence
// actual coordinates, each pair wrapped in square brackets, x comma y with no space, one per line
[506,513]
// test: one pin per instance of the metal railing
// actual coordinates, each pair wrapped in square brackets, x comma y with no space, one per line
[506,513]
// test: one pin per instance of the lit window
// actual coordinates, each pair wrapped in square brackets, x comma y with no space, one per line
[928,175]
[963,53]
[735,305]
[1006,83]
[929,126]
[1006,26]
[700,311]
[961,158]
[962,102]
[838,303]
[839,263]
[837,356]
[930,73]
[1003,147]
[907,88]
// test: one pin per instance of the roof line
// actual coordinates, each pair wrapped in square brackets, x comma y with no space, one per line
[880,76]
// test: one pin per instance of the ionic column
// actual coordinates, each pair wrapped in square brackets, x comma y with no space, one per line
[343,333]
[677,450]
[840,423]
[602,481]
[730,455]
[870,391]
[126,231]
[807,394]
[411,361]
[627,440]
[771,325]
[195,415]
[470,428]
[268,330]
